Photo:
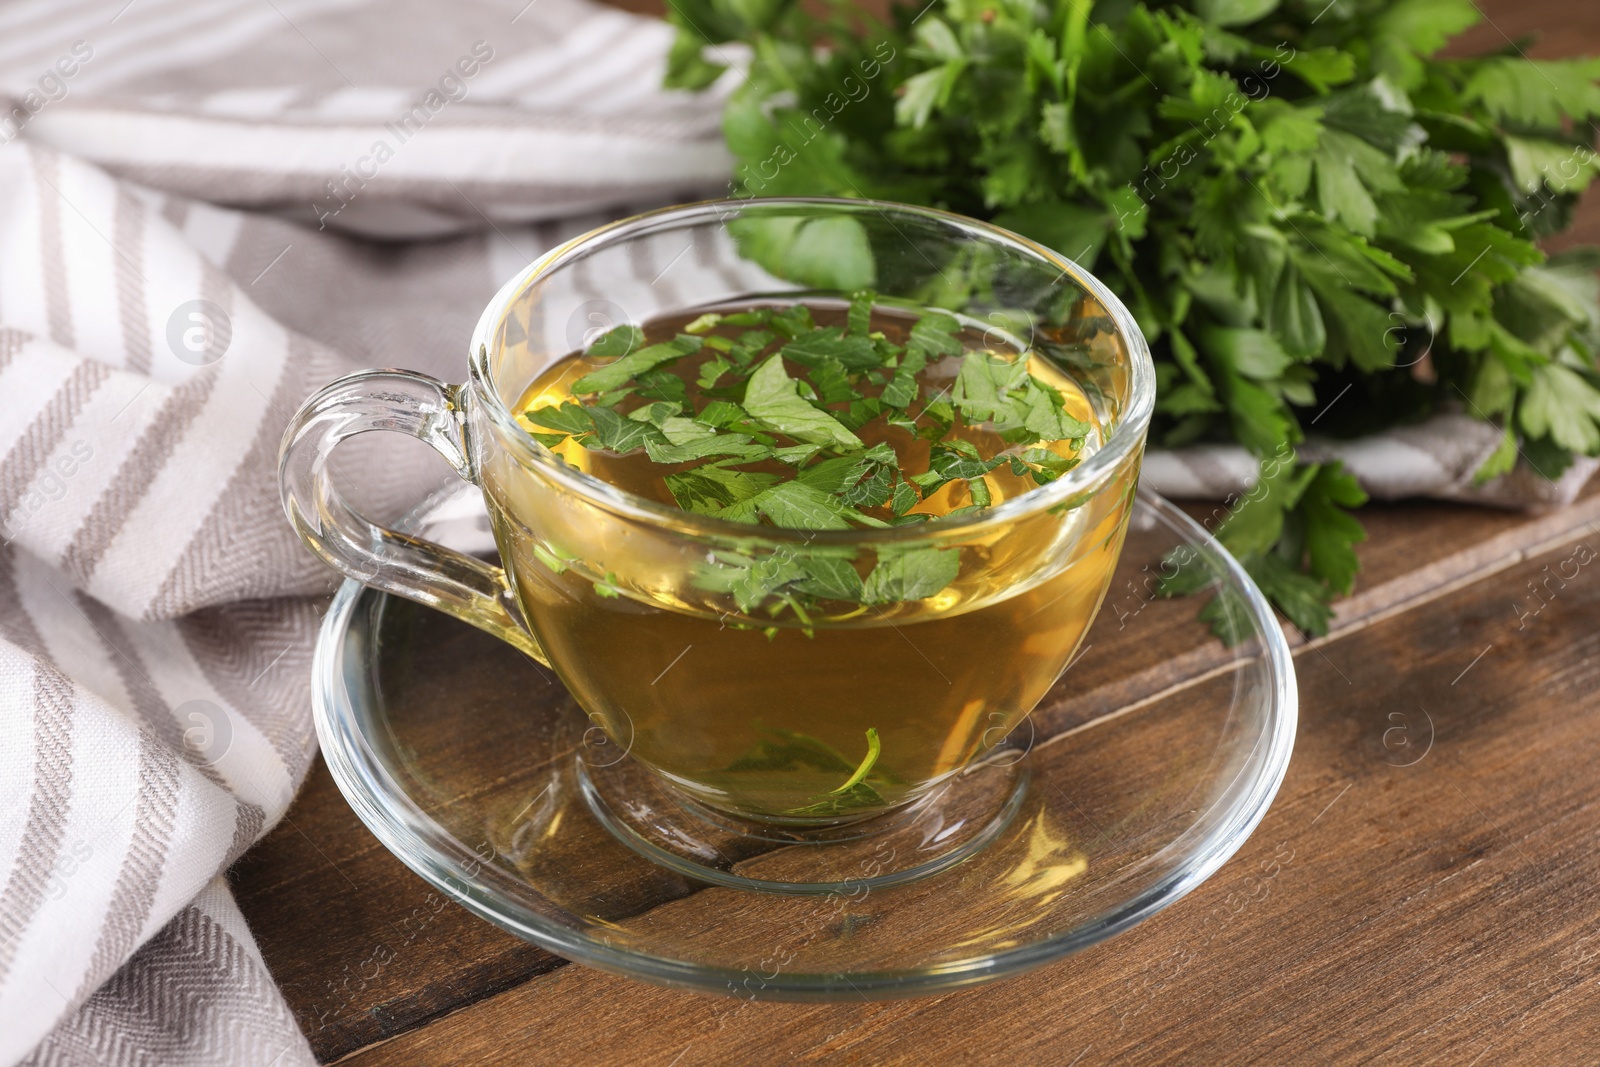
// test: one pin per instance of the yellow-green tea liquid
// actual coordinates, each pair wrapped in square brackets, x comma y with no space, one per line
[765,720]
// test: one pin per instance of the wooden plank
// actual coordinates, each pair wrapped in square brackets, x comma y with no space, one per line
[364,950]
[1423,891]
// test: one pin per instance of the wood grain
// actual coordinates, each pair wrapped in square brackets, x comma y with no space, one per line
[1424,913]
[365,950]
[1440,912]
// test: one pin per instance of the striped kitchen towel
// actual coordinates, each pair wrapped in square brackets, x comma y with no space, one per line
[180,183]
[208,208]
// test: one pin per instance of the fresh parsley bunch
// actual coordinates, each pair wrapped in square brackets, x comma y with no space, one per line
[1312,214]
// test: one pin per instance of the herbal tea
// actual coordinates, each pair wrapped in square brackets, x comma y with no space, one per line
[823,677]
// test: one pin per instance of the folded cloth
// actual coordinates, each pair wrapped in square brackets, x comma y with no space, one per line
[1437,458]
[156,610]
[188,200]
[406,118]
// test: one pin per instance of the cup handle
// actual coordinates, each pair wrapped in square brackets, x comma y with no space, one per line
[429,410]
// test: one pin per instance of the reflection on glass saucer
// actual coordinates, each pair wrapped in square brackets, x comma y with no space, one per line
[1147,765]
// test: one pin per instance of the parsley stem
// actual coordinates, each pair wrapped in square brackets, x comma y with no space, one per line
[874,746]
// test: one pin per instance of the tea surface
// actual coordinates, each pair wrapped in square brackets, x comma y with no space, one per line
[811,416]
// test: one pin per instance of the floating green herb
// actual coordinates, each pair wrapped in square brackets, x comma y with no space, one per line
[757,416]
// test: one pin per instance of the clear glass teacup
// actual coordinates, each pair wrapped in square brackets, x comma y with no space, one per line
[798,677]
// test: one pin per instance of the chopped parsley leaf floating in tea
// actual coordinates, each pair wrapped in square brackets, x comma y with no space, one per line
[815,418]
[821,417]
[763,415]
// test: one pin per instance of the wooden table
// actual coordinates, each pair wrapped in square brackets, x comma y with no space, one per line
[1439,908]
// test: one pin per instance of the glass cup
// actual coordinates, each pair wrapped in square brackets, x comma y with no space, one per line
[795,677]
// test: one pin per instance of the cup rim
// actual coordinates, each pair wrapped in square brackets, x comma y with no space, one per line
[1125,438]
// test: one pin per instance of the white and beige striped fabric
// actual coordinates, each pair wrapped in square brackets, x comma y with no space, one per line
[161,160]
[1437,458]
[190,196]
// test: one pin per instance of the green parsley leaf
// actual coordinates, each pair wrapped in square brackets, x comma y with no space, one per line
[984,384]
[829,577]
[1044,415]
[712,370]
[1228,616]
[799,506]
[859,318]
[904,499]
[1563,405]
[662,385]
[910,574]
[1331,532]
[749,580]
[635,363]
[902,388]
[552,558]
[709,489]
[791,322]
[773,399]
[1234,12]
[934,334]
[617,434]
[854,353]
[1538,93]
[832,382]
[736,445]
[1299,596]
[796,455]
[871,491]
[617,341]
[1043,465]
[568,418]
[1256,521]
[834,476]
[949,464]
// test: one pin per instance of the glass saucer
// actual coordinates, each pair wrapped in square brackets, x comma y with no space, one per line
[1148,764]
